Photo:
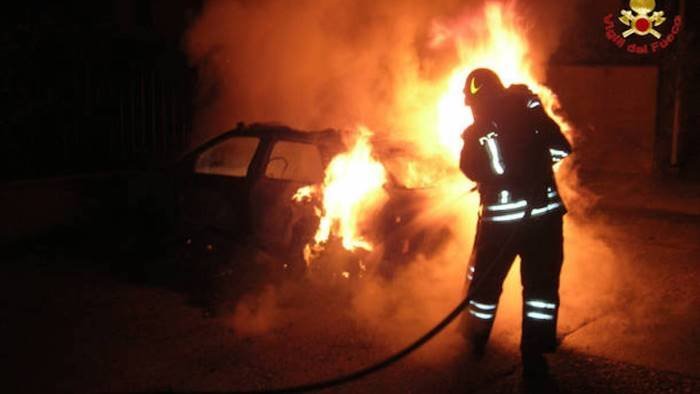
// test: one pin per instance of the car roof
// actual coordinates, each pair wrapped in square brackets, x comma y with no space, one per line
[330,141]
[279,131]
[328,138]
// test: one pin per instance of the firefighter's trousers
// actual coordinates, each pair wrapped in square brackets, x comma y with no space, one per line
[539,243]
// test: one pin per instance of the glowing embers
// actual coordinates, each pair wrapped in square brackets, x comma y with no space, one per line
[305,193]
[481,310]
[489,141]
[540,309]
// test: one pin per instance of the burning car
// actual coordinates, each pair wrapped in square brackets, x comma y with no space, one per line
[268,185]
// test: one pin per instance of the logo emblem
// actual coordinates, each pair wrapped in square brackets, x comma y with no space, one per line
[641,30]
[473,89]
[639,21]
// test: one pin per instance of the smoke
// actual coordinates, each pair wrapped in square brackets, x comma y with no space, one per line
[309,64]
[334,63]
[256,313]
[316,64]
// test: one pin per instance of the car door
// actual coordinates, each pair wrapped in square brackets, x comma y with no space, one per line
[214,192]
[279,224]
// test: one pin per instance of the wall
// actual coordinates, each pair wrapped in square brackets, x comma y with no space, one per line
[614,110]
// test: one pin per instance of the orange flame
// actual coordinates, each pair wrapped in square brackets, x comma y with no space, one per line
[305,193]
[505,51]
[352,190]
[354,180]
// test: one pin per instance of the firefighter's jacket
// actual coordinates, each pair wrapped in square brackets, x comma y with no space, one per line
[509,153]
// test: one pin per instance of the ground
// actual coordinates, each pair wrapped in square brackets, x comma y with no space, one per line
[630,319]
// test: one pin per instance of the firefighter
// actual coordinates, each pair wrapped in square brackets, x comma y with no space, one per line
[509,152]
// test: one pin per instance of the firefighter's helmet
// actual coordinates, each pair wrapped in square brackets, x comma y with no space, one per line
[482,84]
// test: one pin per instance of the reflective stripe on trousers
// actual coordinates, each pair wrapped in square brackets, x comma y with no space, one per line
[481,310]
[538,309]
[539,244]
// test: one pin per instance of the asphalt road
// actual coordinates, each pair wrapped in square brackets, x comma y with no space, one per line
[630,321]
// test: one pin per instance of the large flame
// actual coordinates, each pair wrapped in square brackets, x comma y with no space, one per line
[354,180]
[352,190]
[504,51]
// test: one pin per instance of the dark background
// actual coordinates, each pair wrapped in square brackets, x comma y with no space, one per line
[94,86]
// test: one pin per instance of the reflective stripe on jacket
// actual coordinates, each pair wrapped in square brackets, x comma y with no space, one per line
[509,151]
[510,208]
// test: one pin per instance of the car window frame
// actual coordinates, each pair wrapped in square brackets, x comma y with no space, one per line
[268,153]
[252,165]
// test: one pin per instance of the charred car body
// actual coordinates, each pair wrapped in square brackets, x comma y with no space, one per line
[239,187]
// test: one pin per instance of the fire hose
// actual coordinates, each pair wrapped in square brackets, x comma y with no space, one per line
[360,373]
[340,380]
[388,361]
[392,359]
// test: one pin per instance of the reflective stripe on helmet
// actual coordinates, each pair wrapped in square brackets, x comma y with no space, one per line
[473,89]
